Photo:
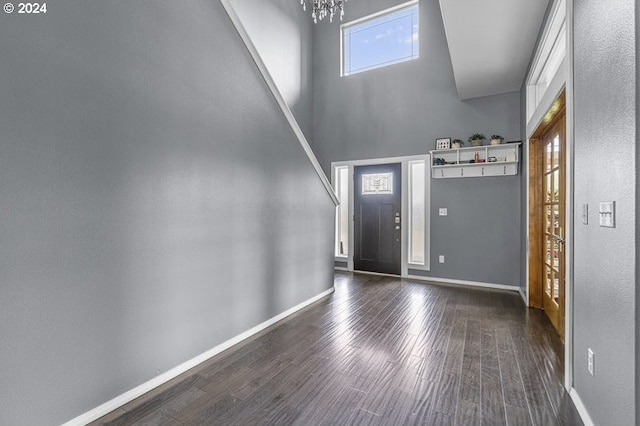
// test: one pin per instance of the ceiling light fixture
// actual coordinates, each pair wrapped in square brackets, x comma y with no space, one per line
[322,8]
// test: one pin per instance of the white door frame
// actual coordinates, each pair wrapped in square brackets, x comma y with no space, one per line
[404,161]
[563,80]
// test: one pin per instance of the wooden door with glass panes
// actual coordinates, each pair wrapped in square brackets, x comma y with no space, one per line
[554,232]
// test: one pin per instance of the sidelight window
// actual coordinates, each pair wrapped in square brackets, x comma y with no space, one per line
[413,186]
[342,211]
[417,183]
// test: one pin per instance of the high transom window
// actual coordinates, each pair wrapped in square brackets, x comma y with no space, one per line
[381,39]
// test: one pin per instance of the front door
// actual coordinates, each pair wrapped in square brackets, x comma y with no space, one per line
[554,232]
[377,201]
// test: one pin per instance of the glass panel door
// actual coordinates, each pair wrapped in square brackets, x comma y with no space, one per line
[553,229]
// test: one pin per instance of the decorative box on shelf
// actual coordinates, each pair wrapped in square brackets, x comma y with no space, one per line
[477,161]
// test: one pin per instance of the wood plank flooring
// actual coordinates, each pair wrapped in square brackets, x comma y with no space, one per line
[379,351]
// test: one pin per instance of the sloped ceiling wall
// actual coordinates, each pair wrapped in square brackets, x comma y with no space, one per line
[491,42]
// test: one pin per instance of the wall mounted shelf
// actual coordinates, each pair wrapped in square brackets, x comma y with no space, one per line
[460,162]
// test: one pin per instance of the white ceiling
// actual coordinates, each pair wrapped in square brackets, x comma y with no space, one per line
[491,42]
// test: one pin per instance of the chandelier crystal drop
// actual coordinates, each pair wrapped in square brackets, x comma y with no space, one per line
[324,8]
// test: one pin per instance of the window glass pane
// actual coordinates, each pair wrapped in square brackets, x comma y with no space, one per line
[378,183]
[342,219]
[380,41]
[549,280]
[417,212]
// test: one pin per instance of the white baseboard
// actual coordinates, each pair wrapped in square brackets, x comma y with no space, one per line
[379,274]
[134,393]
[582,410]
[441,280]
[523,294]
[341,268]
[465,283]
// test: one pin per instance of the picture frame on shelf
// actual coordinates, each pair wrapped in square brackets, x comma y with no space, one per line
[443,143]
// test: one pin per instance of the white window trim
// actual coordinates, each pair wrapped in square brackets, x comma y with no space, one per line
[404,161]
[367,18]
[538,103]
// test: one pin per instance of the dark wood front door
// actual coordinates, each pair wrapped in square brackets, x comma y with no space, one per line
[377,202]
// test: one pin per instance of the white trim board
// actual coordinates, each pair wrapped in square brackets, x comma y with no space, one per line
[556,18]
[376,161]
[377,274]
[465,283]
[271,84]
[445,281]
[140,390]
[584,415]
[570,205]
[523,295]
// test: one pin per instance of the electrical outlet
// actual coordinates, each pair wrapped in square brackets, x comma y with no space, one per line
[441,258]
[590,361]
[442,211]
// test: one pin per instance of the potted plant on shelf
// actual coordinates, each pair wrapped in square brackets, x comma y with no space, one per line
[496,139]
[457,144]
[476,139]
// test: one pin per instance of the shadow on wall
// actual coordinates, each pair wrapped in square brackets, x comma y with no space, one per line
[282,32]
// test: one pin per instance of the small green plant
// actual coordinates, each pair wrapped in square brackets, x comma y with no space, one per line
[477,137]
[497,137]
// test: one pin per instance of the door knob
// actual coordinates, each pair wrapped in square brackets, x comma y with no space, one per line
[558,239]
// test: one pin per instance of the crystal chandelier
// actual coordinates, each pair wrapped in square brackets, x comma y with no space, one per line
[322,8]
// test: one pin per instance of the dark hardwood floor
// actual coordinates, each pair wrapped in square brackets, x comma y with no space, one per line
[380,350]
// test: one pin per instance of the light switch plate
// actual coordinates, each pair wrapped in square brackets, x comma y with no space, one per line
[607,213]
[442,211]
[585,214]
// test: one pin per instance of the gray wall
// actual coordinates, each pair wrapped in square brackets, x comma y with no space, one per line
[637,298]
[401,110]
[524,258]
[606,170]
[524,212]
[154,201]
[283,35]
